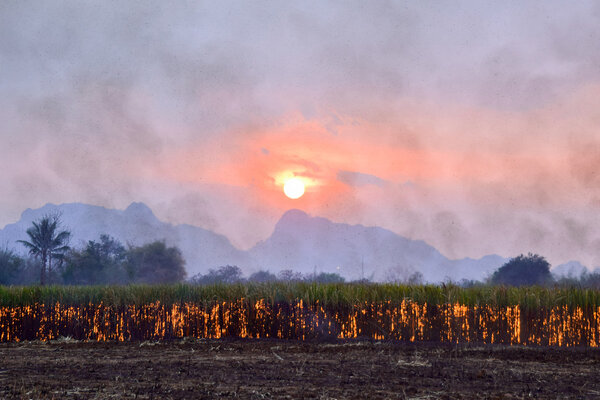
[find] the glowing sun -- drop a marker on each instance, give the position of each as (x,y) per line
(293,188)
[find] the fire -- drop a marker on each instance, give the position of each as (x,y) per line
(407,321)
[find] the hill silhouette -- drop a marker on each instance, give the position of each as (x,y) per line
(299,242)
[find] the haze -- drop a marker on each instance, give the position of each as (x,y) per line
(472,125)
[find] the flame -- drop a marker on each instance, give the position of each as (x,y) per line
(407,321)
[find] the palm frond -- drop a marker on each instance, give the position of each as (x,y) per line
(61,239)
(33,249)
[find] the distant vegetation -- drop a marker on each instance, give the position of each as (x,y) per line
(230,274)
(523,270)
(534,270)
(107,261)
(47,242)
(103,262)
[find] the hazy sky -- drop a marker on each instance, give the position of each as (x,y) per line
(473,125)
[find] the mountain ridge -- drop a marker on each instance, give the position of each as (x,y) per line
(299,241)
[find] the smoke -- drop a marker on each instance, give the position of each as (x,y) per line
(352,178)
(488,110)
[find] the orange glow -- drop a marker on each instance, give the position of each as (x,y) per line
(263,159)
(408,321)
(467,163)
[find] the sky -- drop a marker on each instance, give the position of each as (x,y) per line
(471,125)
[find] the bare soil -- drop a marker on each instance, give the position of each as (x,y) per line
(266,369)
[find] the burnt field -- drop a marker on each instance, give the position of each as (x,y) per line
(263,369)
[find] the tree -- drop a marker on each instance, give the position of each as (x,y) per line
(406,275)
(102,262)
(262,276)
(325,277)
(288,275)
(156,263)
(532,269)
(47,241)
(10,266)
(227,274)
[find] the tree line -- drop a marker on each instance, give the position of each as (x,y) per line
(233,274)
(534,270)
(105,261)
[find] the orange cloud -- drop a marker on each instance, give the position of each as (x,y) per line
(487,172)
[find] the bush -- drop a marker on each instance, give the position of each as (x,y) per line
(529,270)
(262,276)
(156,263)
(288,275)
(227,274)
(99,263)
(325,277)
(10,267)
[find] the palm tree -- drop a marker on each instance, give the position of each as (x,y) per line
(45,242)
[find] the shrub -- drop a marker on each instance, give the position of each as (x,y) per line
(529,270)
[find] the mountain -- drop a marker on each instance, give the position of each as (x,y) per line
(306,244)
(571,269)
(300,242)
(137,224)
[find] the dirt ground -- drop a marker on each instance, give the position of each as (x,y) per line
(265,369)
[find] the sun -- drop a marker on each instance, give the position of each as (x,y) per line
(293,188)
